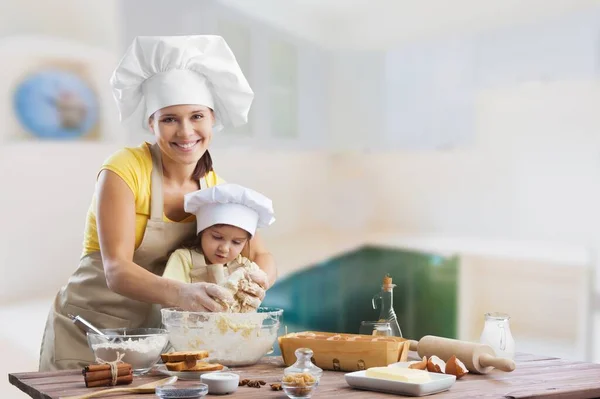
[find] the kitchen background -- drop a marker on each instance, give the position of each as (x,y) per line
(454,145)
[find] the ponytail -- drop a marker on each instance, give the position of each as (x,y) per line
(204,165)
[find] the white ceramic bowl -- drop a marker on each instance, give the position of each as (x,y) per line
(231,339)
(221,383)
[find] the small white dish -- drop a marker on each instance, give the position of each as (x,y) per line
(438,383)
(221,383)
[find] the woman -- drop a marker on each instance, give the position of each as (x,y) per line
(184,88)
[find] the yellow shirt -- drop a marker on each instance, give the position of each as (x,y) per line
(179,266)
(134,166)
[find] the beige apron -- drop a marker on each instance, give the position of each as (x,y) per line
(199,272)
(64,345)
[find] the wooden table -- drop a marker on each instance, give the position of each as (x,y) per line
(534,377)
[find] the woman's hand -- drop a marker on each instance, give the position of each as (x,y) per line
(258,283)
(254,286)
(204,297)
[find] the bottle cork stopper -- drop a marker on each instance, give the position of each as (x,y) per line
(387,280)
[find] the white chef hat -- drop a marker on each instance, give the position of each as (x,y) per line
(230,204)
(160,71)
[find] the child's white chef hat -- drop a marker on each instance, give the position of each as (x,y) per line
(230,204)
(160,71)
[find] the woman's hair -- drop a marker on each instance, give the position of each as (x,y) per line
(204,165)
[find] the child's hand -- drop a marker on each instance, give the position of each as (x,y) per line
(200,297)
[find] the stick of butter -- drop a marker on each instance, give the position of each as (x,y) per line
(398,374)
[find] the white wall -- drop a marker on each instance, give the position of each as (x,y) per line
(91,22)
(533,172)
(382,24)
(46,187)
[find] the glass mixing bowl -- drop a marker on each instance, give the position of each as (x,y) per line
(231,339)
(140,347)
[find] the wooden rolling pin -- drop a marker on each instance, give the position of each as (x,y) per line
(478,358)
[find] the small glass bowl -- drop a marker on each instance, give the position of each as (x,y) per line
(299,391)
(187,392)
(140,347)
(295,391)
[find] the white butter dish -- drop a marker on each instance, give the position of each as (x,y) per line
(438,383)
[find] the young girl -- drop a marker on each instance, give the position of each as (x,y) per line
(227,216)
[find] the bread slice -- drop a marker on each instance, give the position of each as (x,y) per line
(203,366)
(198,366)
(176,366)
(189,356)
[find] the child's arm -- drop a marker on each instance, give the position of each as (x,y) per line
(179,266)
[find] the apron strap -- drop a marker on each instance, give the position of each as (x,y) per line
(191,258)
(156,191)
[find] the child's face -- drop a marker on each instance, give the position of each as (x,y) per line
(223,243)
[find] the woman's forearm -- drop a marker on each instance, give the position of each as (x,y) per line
(266,262)
(135,282)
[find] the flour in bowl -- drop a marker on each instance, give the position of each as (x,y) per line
(231,340)
(141,353)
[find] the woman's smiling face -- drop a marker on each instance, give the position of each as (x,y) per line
(183,132)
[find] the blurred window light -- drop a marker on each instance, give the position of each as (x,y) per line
(239,39)
(283,92)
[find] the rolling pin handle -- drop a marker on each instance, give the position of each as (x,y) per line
(414,345)
(503,364)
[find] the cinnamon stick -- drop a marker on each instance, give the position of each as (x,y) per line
(124,380)
(102,375)
(100,367)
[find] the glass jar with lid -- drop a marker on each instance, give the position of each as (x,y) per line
(301,378)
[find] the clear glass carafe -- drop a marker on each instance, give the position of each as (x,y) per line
(496,333)
(385,298)
(377,328)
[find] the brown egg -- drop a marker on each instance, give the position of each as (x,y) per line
(456,367)
(422,365)
(436,365)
